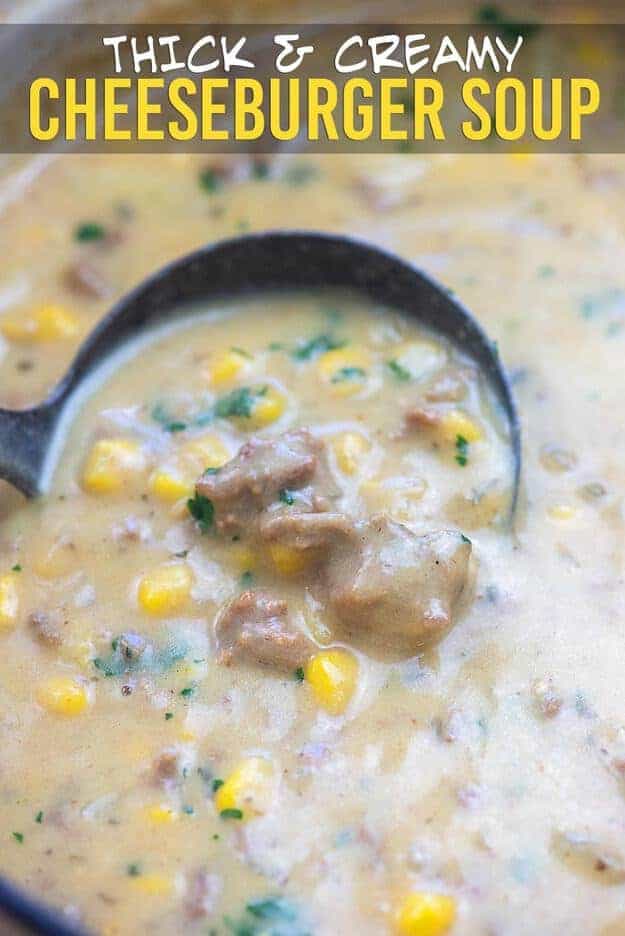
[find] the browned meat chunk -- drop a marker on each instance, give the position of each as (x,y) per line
(86,281)
(166,767)
(131,645)
(256,628)
(395,589)
(449,385)
(254,478)
(307,530)
(421,417)
(46,627)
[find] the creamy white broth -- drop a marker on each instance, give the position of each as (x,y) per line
(488,769)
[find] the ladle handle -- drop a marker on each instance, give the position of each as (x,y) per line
(24,443)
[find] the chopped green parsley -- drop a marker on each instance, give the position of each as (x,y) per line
(202,511)
(462,450)
(210,180)
(349,373)
(398,370)
(231,813)
(315,346)
(89,231)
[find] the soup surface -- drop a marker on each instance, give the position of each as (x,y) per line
(273,661)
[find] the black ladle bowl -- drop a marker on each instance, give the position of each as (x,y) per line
(251,264)
(246,265)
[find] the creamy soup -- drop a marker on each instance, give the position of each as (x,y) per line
(274,660)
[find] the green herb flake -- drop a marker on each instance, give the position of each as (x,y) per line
(202,511)
(169,716)
(89,231)
(462,450)
(188,810)
(300,174)
(398,370)
(152,659)
(242,352)
(349,373)
(39,817)
(316,346)
(276,346)
(465,539)
(217,782)
(299,674)
(210,180)
(16,568)
(18,836)
(546,271)
(133,870)
(187,692)
(287,497)
(231,813)
(247,579)
(166,421)
(268,916)
(239,402)
(272,908)
(261,170)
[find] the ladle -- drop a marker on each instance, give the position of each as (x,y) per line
(251,264)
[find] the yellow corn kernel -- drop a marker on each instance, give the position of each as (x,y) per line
(248,788)
(47,323)
(243,558)
(455,423)
(227,367)
(288,561)
(9,601)
(425,914)
(187,735)
(419,357)
(332,675)
(562,512)
(56,559)
(165,589)
(79,653)
(268,407)
(349,449)
(110,464)
(63,695)
(341,368)
(169,486)
(160,814)
(153,885)
(206,451)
